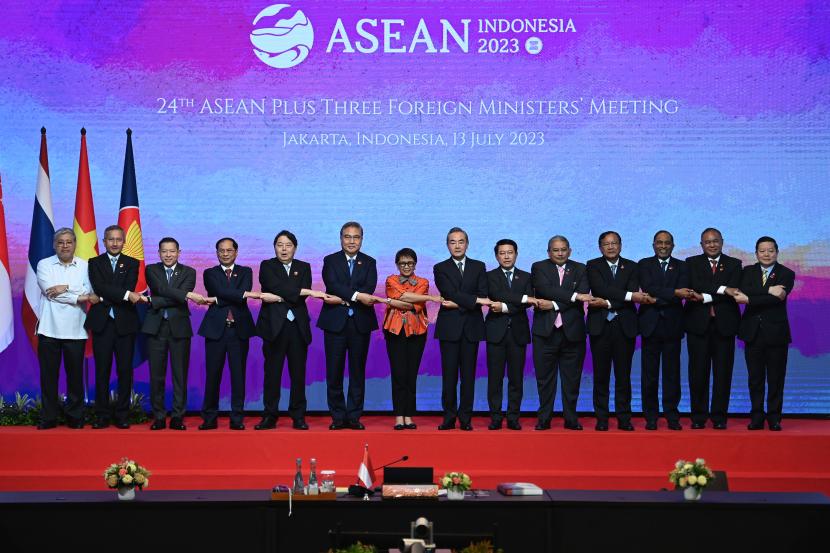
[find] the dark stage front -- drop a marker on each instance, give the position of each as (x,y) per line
(560,520)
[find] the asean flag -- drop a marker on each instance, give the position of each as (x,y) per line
(129,219)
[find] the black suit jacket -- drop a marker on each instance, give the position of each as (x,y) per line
(701,280)
(111,287)
(172,297)
(614,289)
(766,316)
(546,285)
(497,324)
(466,320)
(668,311)
(364,278)
(274,279)
(229,297)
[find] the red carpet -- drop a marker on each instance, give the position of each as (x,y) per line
(797,459)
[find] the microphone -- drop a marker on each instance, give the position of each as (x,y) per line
(360,491)
(404,458)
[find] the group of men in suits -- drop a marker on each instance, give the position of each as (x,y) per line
(697,297)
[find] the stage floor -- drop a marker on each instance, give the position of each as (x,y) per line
(797,459)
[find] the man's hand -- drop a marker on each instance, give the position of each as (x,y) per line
(543,304)
(496,306)
(642,297)
(211,300)
(778,291)
(449,304)
(436,299)
(268,297)
(695,296)
(740,297)
(598,302)
(252,295)
(684,293)
(368,299)
(54,291)
(135,298)
(317,294)
(584,297)
(332,300)
(197,298)
(93,299)
(732,292)
(484,301)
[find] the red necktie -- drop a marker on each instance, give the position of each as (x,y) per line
(230,313)
(714,270)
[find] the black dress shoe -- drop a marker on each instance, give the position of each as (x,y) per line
(446,425)
(237,426)
(601,426)
(356,425)
(775,426)
(698,426)
(99,424)
(651,425)
(755,426)
(399,427)
(626,426)
(204,426)
(267,423)
(719,426)
(493,425)
(466,426)
(542,425)
(299,424)
(675,426)
(337,425)
(573,426)
(177,424)
(46,425)
(123,425)
(75,424)
(158,424)
(513,425)
(410,426)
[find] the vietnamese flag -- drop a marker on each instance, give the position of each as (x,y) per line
(84,225)
(129,219)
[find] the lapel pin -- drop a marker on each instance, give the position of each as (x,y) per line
(233,275)
(121,265)
(360,263)
(296,273)
(720,268)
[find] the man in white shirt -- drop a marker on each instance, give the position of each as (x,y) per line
(64,284)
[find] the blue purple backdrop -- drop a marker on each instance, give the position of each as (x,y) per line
(583,117)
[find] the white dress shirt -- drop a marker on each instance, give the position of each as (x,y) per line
(62,317)
(707,298)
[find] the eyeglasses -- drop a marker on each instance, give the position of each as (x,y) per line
(406,264)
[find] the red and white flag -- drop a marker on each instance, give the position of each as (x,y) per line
(366,473)
(6,312)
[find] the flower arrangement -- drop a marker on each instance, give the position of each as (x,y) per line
(457,481)
(686,474)
(126,474)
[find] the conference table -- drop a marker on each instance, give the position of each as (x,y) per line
(558,520)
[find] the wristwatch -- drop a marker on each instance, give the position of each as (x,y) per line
(388,301)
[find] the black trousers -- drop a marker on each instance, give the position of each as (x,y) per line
(656,348)
(612,347)
(354,344)
(105,344)
(49,354)
(510,355)
(710,353)
(766,363)
(235,349)
(556,355)
(405,354)
(159,348)
(458,358)
(287,344)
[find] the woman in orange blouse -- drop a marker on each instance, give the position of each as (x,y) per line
(405,330)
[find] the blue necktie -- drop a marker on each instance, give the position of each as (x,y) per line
(169,271)
(290,314)
(351,268)
(113,261)
(509,275)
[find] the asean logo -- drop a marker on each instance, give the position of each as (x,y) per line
(280,42)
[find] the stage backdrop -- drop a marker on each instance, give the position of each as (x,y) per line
(519,120)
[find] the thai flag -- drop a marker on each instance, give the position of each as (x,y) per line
(6,312)
(40,243)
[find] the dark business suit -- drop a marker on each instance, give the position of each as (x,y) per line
(612,333)
(227,326)
(507,337)
(168,325)
(282,338)
(765,330)
(113,333)
(459,331)
(559,350)
(711,339)
(661,327)
(347,330)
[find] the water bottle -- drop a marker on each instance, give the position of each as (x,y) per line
(313,488)
(298,478)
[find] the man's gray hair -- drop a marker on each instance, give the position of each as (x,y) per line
(61,231)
